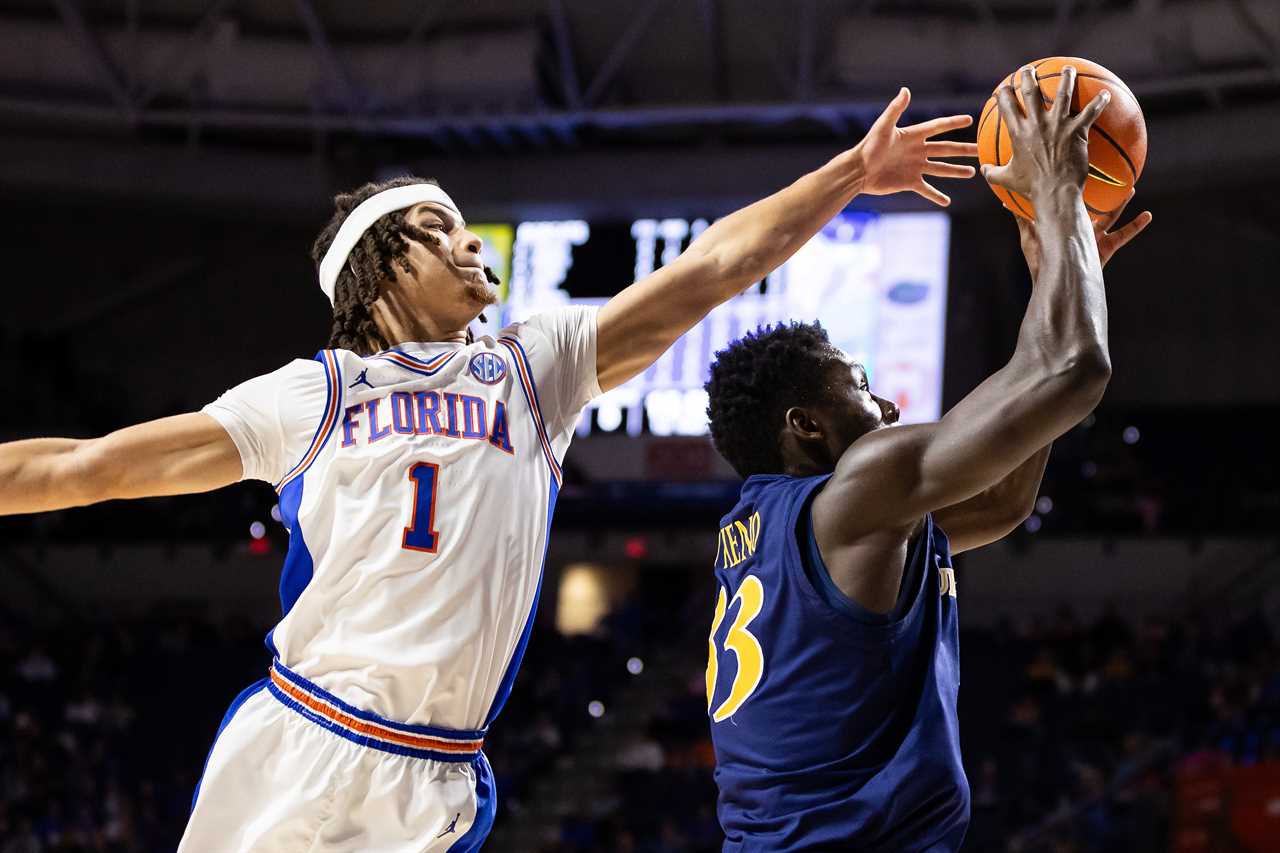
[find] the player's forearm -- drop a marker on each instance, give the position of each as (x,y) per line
(996,511)
(1065,327)
(1015,495)
(35,475)
(638,324)
(747,245)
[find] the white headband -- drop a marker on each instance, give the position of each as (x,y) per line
(362,218)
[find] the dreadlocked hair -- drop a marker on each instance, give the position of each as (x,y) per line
(754,381)
(374,259)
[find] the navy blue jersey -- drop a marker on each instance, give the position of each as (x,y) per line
(834,728)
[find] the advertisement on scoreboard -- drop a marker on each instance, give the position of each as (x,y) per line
(877,283)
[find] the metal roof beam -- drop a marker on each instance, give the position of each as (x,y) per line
(570,88)
(638,26)
(110,76)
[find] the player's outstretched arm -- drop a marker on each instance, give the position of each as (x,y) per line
(1059,368)
(996,511)
(170,456)
(641,322)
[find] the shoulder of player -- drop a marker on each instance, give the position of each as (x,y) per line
(883,452)
(875,468)
(301,373)
(544,323)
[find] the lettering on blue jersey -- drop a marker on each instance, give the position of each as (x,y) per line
(738,541)
(451,415)
(745,646)
(428,412)
(350,425)
(947,581)
(376,433)
(402,413)
(489,368)
(501,435)
(420,413)
(473,417)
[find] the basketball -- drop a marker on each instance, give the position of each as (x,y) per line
(1117,140)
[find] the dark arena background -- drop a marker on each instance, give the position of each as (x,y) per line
(166,164)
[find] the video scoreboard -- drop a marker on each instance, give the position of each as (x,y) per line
(877,282)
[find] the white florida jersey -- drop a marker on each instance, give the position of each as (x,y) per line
(417,485)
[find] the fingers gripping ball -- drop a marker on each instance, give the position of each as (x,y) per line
(1117,140)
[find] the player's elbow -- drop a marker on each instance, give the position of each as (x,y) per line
(1083,375)
(724,268)
(92,472)
(1016,513)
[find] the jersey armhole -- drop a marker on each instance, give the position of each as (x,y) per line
(815,569)
(328,419)
(818,586)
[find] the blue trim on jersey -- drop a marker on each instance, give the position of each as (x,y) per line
(243,697)
(423,368)
(298,564)
(328,420)
(509,677)
(368,717)
(363,740)
(531,396)
(486,809)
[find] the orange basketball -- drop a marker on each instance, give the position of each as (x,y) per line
(1117,140)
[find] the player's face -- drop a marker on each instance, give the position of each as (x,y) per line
(449,280)
(854,409)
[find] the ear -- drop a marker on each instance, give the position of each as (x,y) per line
(800,423)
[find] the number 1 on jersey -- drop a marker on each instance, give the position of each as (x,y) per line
(421,534)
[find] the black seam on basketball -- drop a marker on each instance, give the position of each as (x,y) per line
(1113,80)
(1124,154)
(1013,198)
(1009,193)
(999,118)
(995,107)
(1115,145)
(1099,212)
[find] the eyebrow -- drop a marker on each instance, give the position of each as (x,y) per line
(454,220)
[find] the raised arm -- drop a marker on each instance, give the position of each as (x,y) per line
(996,511)
(1059,368)
(170,456)
(641,322)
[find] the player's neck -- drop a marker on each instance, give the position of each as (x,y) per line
(805,468)
(399,326)
(807,459)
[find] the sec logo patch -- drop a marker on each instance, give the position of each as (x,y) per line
(488,368)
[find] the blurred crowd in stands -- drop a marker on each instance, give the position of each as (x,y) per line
(1078,735)
(1073,734)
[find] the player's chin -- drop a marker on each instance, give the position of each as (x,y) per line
(480,293)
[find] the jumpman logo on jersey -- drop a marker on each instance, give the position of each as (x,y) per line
(362,379)
(452,827)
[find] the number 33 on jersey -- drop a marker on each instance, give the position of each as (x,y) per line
(742,643)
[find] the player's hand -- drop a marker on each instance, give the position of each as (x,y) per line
(897,159)
(1109,241)
(1050,147)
